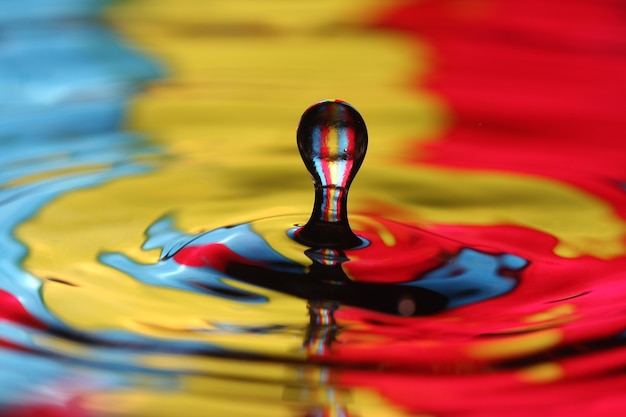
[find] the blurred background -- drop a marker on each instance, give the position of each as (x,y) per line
(497,123)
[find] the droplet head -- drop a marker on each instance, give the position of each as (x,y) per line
(332,140)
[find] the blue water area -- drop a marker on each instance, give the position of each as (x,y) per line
(65,81)
(169,273)
(33,11)
(67,78)
(64,86)
(472,276)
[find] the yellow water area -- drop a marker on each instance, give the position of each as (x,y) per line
(516,345)
(270,389)
(240,73)
(202,397)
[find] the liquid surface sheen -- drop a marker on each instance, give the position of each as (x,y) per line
(152,193)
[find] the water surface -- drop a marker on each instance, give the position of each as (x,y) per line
(151,175)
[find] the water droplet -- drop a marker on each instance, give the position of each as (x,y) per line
(332,139)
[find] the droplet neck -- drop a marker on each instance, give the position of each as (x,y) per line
(332,140)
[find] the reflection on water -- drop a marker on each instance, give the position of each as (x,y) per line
(154,274)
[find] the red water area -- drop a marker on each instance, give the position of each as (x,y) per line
(548,297)
(496,394)
(12,310)
(71,409)
(412,252)
(533,87)
(214,255)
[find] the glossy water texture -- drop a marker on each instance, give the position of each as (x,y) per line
(152,187)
